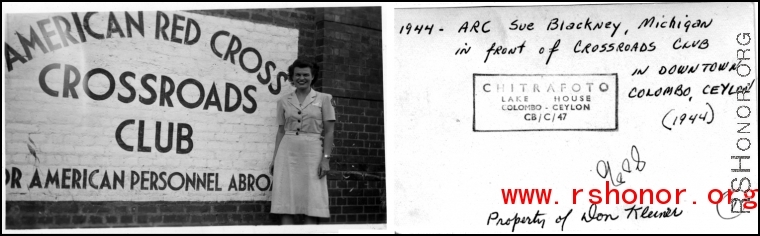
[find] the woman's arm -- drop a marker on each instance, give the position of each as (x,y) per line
(328,116)
(327,145)
(329,135)
(280,134)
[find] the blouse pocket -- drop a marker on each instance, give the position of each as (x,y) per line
(314,112)
(315,116)
(319,124)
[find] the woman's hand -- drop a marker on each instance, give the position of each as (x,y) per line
(324,168)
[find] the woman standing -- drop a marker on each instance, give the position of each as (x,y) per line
(301,158)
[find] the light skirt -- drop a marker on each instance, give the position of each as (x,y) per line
(297,188)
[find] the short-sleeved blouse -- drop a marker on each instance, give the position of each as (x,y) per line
(306,117)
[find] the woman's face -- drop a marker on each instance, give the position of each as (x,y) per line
(302,77)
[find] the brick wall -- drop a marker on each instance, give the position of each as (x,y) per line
(349,40)
(346,42)
(67,214)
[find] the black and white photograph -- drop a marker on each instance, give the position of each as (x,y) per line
(199,117)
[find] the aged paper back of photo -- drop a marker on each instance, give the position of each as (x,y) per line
(532,118)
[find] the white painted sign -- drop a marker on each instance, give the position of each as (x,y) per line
(142,106)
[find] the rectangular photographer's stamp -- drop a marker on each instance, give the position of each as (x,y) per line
(543,102)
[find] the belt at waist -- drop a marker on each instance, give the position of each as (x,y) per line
(301,133)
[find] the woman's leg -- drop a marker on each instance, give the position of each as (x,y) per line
(287,220)
(312,220)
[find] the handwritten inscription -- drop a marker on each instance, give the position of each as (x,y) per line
(645,213)
(674,23)
(590,216)
(517,219)
(419,29)
(588,24)
(707,116)
(604,170)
